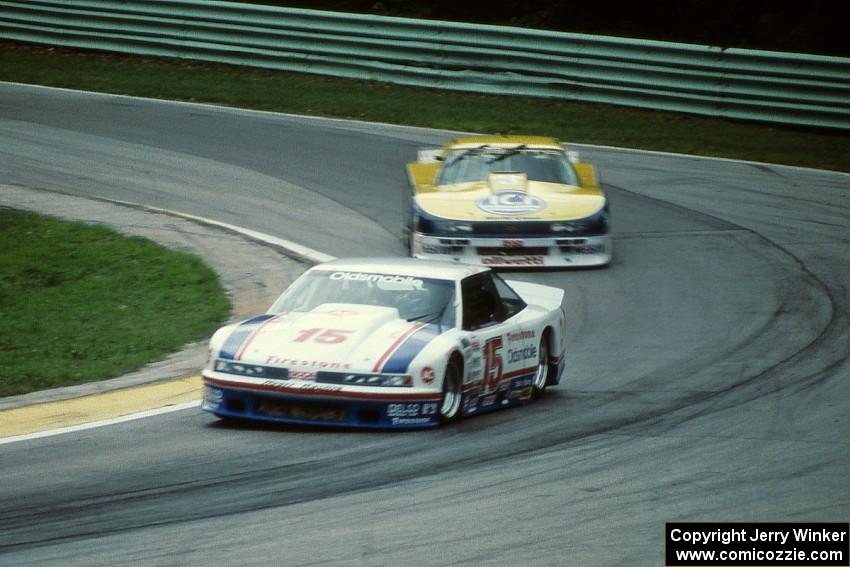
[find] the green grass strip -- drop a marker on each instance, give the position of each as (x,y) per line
(80,303)
(384,102)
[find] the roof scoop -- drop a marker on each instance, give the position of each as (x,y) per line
(508,181)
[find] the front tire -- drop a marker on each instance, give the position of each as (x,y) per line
(541,374)
(452,399)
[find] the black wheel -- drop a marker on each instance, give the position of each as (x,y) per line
(452,399)
(541,375)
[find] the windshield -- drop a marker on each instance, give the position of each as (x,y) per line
(475,164)
(417,299)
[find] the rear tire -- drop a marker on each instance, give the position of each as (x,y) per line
(452,399)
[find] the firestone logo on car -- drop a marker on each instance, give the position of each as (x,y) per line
(510,203)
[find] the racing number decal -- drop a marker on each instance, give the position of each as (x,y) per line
(493,368)
(327,336)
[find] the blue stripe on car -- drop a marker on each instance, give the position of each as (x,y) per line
(404,355)
(239,334)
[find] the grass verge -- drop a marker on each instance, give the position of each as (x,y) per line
(80,303)
(384,102)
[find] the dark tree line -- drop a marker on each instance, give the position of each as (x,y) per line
(814,26)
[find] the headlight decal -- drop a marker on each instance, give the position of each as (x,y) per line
(589,226)
(365,379)
(251,370)
(425,223)
(593,225)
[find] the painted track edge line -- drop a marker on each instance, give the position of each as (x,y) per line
(297,249)
(294,248)
(101,423)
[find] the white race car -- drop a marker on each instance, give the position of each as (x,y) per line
(388,343)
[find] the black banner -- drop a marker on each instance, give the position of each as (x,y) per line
(803,544)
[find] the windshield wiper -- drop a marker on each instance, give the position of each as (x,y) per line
(511,152)
(434,315)
(469,151)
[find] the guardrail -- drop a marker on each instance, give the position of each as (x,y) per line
(785,88)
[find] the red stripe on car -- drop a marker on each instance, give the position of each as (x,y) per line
(253,335)
(307,392)
(393,347)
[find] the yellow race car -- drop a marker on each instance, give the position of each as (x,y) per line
(507,201)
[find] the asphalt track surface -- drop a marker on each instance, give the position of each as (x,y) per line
(708,366)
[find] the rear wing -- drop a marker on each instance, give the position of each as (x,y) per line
(429,155)
(422,174)
(424,171)
(538,294)
(588,176)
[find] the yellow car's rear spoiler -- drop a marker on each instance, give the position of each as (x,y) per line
(422,174)
(587,176)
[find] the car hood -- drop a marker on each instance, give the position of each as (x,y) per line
(482,200)
(334,336)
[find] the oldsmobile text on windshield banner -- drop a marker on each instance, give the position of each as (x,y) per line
(762,544)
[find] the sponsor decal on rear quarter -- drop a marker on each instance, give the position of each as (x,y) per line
(428,375)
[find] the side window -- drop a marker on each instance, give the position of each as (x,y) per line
(511,301)
(481,303)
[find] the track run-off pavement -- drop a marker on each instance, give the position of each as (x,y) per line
(707,380)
